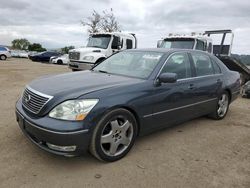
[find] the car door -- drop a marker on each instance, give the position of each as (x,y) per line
(173,101)
(208,82)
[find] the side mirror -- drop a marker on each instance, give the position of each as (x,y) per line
(167,78)
(159,43)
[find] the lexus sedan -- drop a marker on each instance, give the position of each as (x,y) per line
(131,93)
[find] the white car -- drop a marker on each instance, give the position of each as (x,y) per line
(63,59)
(4,53)
(19,53)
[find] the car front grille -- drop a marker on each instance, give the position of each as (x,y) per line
(74,55)
(33,100)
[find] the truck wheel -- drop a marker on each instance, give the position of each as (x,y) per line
(114,135)
(3,57)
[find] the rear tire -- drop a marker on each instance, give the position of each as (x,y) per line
(222,106)
(114,135)
(60,62)
(3,57)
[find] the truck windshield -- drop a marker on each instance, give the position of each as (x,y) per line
(99,41)
(138,64)
(178,43)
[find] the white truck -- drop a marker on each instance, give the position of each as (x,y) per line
(221,49)
(99,47)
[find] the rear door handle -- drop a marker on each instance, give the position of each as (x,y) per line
(218,80)
(191,86)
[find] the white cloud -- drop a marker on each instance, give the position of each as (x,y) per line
(57,23)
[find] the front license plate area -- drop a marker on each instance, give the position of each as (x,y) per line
(20,120)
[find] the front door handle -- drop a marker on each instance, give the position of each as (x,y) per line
(191,86)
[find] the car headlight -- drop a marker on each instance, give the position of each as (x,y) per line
(73,110)
(88,58)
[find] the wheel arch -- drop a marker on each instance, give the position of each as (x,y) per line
(230,94)
(131,110)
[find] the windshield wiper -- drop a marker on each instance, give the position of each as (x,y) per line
(102,71)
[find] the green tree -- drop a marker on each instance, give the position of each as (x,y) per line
(93,22)
(20,44)
(66,49)
(36,47)
(105,22)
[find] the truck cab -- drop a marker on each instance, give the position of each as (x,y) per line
(99,47)
(193,41)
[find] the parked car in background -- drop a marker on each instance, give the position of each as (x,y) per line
(19,53)
(4,53)
(131,93)
(43,56)
(61,60)
(246,90)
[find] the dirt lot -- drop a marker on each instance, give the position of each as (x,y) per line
(199,153)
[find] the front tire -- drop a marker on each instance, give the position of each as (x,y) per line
(3,57)
(221,107)
(114,135)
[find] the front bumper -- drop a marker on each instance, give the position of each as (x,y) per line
(44,137)
(77,65)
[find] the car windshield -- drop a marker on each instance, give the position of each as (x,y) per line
(179,44)
(99,41)
(137,64)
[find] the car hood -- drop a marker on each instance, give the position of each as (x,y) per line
(74,85)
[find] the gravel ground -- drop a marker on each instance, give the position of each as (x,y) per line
(199,153)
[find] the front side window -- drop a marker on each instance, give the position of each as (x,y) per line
(138,64)
(202,64)
(179,64)
(199,45)
(99,41)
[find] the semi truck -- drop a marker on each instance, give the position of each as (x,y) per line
(204,41)
(99,47)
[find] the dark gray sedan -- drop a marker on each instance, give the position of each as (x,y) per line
(132,93)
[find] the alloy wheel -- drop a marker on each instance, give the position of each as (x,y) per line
(116,136)
(223,105)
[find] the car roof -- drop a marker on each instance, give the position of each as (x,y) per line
(167,50)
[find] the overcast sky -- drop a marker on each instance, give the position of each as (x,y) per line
(56,24)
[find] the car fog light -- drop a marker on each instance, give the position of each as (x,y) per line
(61,148)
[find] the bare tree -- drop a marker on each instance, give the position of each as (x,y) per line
(109,22)
(93,22)
(102,23)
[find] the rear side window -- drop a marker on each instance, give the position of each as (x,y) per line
(129,44)
(203,64)
(216,67)
(179,64)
